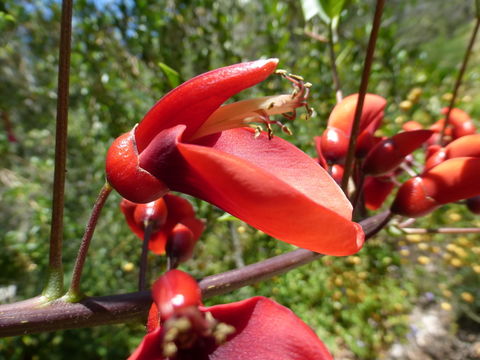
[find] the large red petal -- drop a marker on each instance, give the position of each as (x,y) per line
(195,100)
(270,184)
(266,330)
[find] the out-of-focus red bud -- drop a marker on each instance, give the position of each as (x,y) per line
(173,291)
(336,137)
(334,144)
(366,141)
(337,173)
(461,122)
(180,244)
(452,180)
(412,125)
(376,190)
(465,146)
(390,153)
(473,204)
(154,212)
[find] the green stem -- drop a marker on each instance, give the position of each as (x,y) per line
(459,80)
(74,294)
(54,287)
(361,94)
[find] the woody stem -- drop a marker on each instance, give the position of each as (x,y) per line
(361,94)
(458,82)
(54,287)
(74,291)
(142,275)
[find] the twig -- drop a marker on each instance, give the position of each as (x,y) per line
(74,291)
(142,275)
(361,94)
(116,309)
(459,80)
(54,286)
(333,64)
(445,230)
(316,36)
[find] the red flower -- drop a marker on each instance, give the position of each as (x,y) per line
(189,143)
(252,329)
(172,215)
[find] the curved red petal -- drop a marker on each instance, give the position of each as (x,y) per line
(266,330)
(195,100)
(149,348)
(263,182)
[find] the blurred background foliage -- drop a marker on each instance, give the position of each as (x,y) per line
(125,55)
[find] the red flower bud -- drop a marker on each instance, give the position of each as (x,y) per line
(173,291)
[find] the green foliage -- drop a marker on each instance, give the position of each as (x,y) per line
(125,56)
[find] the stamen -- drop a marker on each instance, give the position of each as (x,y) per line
(243,113)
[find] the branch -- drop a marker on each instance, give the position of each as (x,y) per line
(116,309)
(361,93)
(445,230)
(459,79)
(54,286)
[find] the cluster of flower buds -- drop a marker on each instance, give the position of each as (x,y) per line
(174,229)
(449,173)
(180,328)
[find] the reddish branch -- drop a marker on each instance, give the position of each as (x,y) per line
(55,282)
(361,93)
(459,79)
(16,319)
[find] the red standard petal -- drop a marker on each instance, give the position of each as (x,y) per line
(266,330)
(266,183)
(195,100)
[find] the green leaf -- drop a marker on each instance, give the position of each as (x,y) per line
(328,10)
(332,8)
(173,76)
(310,8)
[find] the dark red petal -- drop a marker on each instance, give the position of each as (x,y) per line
(180,244)
(263,182)
(195,100)
(266,330)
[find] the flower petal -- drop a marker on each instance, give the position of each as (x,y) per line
(195,100)
(266,330)
(266,183)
